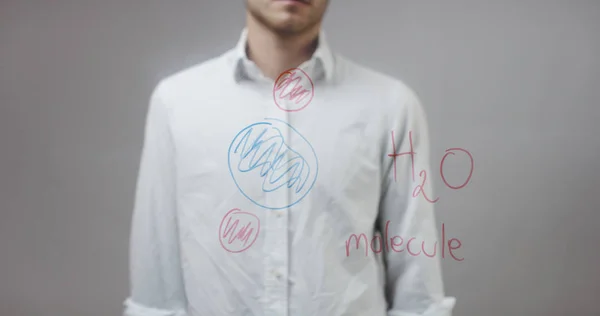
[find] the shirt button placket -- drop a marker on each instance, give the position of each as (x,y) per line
(276,234)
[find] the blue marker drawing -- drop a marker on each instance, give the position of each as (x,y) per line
(259,156)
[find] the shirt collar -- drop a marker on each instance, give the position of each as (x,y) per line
(322,57)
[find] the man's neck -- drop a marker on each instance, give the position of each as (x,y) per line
(273,53)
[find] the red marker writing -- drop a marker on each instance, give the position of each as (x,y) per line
(419,188)
(449,152)
(293,90)
(411,153)
(238,230)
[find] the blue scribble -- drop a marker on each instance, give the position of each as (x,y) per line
(261,148)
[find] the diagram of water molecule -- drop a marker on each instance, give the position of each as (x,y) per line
(259,156)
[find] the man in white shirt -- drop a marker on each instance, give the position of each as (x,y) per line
(269,172)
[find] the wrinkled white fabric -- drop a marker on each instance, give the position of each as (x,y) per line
(132,308)
(203,157)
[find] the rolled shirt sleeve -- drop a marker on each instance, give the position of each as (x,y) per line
(414,285)
(155,264)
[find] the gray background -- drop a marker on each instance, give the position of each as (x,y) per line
(516,82)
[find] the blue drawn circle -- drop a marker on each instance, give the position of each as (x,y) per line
(239,138)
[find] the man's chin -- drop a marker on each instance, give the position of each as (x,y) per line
(288,27)
(283,23)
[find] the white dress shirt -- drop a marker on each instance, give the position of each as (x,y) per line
(245,207)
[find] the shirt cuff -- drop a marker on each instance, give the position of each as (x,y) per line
(443,308)
(134,309)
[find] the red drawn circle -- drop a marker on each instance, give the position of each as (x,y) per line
(297,93)
(241,234)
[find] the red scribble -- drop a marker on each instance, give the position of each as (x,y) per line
(420,188)
(242,239)
(296,93)
(449,152)
(411,153)
(396,247)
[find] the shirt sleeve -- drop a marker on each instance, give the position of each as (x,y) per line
(155,270)
(414,285)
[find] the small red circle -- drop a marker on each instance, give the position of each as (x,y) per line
(294,88)
(246,234)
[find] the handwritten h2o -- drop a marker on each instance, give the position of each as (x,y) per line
(234,240)
(419,188)
(289,92)
(259,155)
